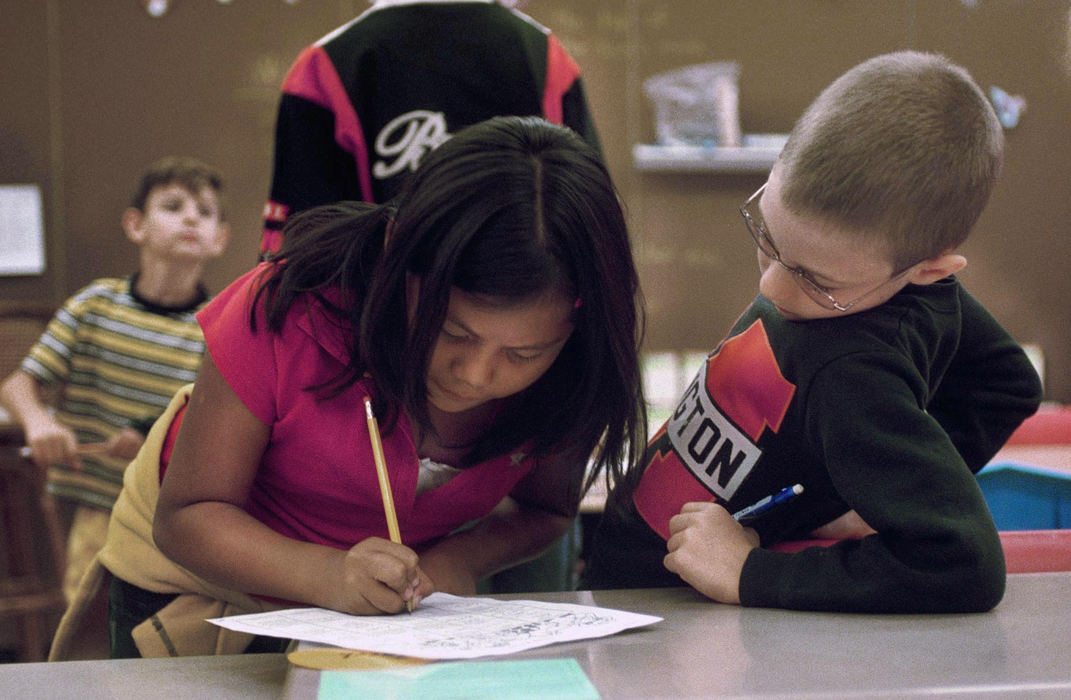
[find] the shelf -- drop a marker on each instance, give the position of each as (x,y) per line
(756,158)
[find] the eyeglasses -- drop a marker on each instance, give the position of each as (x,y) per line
(816,292)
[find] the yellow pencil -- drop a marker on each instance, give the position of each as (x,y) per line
(384,481)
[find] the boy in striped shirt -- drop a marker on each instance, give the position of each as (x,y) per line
(116,352)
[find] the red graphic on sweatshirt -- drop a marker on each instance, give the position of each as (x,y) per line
(709,446)
(744,380)
(664,489)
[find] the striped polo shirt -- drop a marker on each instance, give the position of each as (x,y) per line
(116,360)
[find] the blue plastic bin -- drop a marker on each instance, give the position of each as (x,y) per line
(1023,497)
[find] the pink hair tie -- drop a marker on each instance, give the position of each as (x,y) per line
(576,304)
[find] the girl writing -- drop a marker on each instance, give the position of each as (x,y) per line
(491,313)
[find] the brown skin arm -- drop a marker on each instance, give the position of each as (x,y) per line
(537,512)
(200,522)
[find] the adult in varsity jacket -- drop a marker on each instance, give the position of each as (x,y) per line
(364,104)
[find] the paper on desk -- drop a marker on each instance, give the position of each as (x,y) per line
(444,626)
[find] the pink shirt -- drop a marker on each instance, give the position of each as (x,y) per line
(317,478)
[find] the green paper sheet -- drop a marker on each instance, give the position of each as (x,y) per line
(471,680)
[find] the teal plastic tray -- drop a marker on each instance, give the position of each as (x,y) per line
(1023,497)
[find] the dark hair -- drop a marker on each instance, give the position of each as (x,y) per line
(188,172)
(511,209)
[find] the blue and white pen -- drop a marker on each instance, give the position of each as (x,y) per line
(755,510)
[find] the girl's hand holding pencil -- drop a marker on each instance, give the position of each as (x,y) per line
(380,577)
(410,580)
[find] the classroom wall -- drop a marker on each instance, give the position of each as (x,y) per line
(92,92)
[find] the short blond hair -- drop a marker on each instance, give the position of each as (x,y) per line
(904,146)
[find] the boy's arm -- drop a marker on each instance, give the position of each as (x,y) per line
(708,549)
(937,549)
(989,389)
(50,441)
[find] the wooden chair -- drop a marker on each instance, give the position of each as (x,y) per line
(31,557)
(32,541)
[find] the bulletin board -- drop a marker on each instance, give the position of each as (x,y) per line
(22,230)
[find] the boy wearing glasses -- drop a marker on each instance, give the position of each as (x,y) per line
(863,371)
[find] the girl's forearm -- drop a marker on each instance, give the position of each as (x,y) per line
(511,534)
(227,547)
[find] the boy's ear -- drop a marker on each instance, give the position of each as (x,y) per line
(131,221)
(223,237)
(937,268)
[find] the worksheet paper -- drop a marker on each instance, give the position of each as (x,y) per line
(444,626)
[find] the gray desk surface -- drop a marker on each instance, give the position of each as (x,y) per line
(223,677)
(701,649)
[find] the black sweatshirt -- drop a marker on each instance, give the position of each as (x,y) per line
(888,411)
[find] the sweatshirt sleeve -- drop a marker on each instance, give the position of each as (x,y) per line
(937,549)
(989,389)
